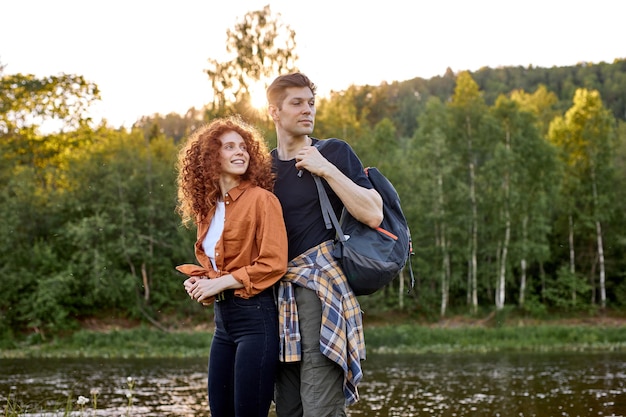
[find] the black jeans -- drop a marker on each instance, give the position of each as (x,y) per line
(243,357)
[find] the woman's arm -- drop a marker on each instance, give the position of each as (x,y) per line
(201,289)
(270,236)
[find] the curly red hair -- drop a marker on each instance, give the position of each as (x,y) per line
(198,166)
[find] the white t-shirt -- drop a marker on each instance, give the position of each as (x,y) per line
(215,232)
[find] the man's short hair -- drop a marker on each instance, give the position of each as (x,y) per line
(276,92)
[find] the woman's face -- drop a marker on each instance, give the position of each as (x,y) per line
(234,157)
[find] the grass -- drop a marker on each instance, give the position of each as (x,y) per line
(146,342)
(140,342)
(538,338)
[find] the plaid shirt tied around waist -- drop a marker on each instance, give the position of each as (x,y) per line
(341,333)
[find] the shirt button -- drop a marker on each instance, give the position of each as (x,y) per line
(227,202)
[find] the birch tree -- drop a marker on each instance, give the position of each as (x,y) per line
(585,136)
(439,190)
(518,179)
(540,183)
(467,108)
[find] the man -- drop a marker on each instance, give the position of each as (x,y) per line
(320,318)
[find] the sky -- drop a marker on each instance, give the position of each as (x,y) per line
(149,56)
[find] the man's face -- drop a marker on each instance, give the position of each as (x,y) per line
(297,114)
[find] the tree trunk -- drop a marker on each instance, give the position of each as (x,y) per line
(147,269)
(474,226)
(502,279)
(501,287)
(600,242)
(442,243)
(572,253)
(446,271)
(146,283)
(602,269)
(522,284)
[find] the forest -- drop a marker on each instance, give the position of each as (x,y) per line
(511,179)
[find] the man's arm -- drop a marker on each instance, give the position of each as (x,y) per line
(363,204)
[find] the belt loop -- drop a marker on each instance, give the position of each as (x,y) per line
(224,295)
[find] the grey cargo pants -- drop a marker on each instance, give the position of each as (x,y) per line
(312,387)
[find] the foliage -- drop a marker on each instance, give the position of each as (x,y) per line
(510,179)
(26,100)
(107,240)
(171,125)
(261,46)
(337,116)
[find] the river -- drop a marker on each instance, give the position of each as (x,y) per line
(444,385)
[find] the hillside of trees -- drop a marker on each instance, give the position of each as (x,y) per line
(511,179)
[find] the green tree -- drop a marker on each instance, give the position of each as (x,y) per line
(121,213)
(379,148)
(519,177)
(541,103)
(172,125)
(262,46)
(585,136)
(106,242)
(467,109)
(32,170)
(27,101)
(617,246)
(437,191)
(337,117)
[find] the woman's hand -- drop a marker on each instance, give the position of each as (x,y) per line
(202,288)
(189,282)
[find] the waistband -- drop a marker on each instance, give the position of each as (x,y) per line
(224,295)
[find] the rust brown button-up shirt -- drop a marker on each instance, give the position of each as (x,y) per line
(253,245)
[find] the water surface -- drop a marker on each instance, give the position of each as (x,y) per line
(446,385)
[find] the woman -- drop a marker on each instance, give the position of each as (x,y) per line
(224,187)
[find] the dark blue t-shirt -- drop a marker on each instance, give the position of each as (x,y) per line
(299,199)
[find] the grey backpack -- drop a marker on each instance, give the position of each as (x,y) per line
(370,257)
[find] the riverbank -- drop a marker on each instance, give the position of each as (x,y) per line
(392,336)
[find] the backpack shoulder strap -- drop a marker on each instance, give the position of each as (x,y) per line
(330,219)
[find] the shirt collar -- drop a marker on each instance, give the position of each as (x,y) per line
(235,192)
